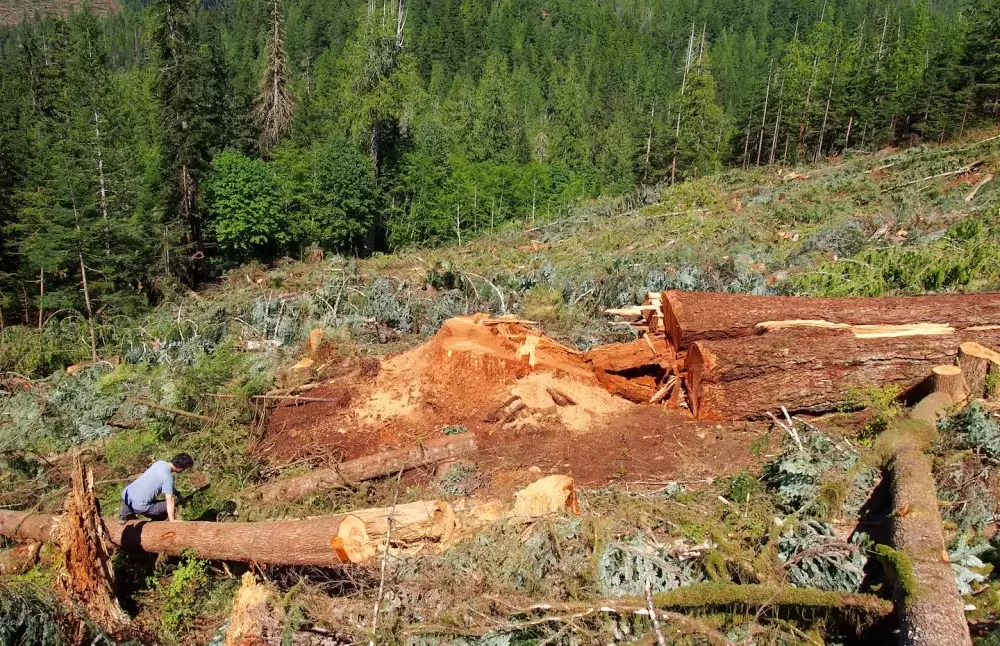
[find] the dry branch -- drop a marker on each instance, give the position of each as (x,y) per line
(368,467)
(174,411)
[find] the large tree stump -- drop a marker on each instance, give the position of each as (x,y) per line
(981,368)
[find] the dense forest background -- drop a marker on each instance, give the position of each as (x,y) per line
(176,138)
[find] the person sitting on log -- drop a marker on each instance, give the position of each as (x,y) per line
(142,496)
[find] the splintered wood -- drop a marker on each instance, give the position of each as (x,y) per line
(88,579)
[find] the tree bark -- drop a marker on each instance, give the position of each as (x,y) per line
(981,369)
(324,541)
(810,371)
(368,467)
(696,316)
(933,612)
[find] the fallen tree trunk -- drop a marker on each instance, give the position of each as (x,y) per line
(696,316)
(325,541)
(368,467)
(933,612)
(721,595)
(810,371)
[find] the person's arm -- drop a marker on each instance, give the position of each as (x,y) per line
(170,507)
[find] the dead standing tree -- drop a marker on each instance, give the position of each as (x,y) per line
(275,104)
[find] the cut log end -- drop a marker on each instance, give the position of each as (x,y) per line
(552,494)
(949,380)
(980,368)
(351,544)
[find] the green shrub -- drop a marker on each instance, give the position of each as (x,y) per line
(182,594)
(125,450)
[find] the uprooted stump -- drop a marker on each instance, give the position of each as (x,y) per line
(932,610)
(88,579)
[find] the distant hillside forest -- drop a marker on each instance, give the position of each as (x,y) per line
(174,139)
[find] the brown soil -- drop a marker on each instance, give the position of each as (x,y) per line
(464,375)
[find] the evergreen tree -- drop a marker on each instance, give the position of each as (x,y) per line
(275,103)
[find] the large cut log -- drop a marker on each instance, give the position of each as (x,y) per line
(981,369)
(368,467)
(324,541)
(696,316)
(932,610)
(809,370)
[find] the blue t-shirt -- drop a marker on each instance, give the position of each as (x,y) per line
(144,491)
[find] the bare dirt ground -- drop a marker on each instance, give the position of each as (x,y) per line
(464,375)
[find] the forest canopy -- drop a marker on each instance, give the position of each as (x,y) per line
(174,139)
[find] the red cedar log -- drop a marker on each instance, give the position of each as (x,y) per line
(368,467)
(808,370)
(291,542)
(696,316)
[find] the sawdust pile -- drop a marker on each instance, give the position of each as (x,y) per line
(475,363)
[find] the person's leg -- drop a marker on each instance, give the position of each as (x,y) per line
(156,511)
(126,514)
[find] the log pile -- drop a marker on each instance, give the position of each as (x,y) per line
(739,356)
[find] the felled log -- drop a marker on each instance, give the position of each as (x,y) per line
(981,369)
(368,467)
(808,370)
(324,541)
(696,316)
(726,595)
(933,612)
(424,520)
(19,559)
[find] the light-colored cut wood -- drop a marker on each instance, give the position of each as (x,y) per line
(980,368)
(552,494)
(948,379)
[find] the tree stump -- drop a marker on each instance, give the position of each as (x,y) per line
(981,369)
(949,380)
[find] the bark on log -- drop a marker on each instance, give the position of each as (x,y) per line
(933,612)
(696,316)
(368,467)
(808,371)
(949,380)
(290,542)
(981,368)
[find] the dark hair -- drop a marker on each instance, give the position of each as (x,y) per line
(182,461)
